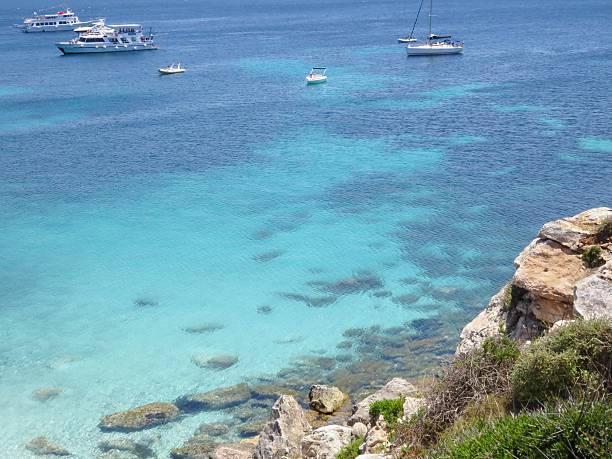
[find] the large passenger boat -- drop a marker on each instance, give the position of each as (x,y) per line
(56,22)
(109,39)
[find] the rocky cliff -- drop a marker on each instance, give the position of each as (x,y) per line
(563,274)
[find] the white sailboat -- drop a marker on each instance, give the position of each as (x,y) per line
(435,44)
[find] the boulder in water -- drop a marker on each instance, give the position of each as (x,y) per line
(141,417)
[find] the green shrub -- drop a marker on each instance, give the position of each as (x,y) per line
(573,430)
(564,361)
(391,410)
(467,381)
(604,232)
(500,350)
(592,257)
(351,451)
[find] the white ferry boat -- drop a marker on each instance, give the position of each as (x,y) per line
(57,22)
(109,39)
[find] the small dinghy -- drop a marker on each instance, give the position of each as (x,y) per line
(317,75)
(406,40)
(172,69)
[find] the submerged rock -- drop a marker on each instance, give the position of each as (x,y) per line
(116,454)
(242,450)
(326,399)
(42,446)
(325,442)
(268,256)
(282,436)
(251,429)
(217,399)
(137,449)
(264,309)
(46,394)
(145,302)
(213,430)
(218,362)
(355,284)
(395,388)
(203,329)
(139,418)
(311,301)
(197,447)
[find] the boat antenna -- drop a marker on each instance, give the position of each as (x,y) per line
(416,19)
(430,11)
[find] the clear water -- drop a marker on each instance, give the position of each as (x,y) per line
(234,186)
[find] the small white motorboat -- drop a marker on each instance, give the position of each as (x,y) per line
(406,40)
(317,75)
(172,69)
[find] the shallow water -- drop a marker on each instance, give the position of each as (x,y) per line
(136,206)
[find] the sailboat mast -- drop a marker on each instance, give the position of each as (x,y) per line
(430,11)
(416,19)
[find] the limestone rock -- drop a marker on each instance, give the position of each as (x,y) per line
(141,417)
(217,399)
(377,437)
(486,324)
(46,394)
(325,442)
(42,446)
(577,231)
(395,388)
(548,274)
(359,430)
(140,450)
(412,405)
(326,399)
(560,323)
(551,282)
(593,298)
(283,434)
(241,450)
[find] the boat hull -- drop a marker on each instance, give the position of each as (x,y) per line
(70,48)
(58,28)
(316,81)
(433,50)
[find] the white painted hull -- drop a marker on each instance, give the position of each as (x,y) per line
(433,50)
(70,48)
(57,28)
(316,80)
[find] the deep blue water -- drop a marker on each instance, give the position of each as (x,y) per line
(234,186)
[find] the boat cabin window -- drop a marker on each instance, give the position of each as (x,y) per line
(94,40)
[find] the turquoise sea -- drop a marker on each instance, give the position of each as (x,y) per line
(281,218)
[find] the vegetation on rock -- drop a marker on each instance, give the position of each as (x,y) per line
(351,451)
(592,257)
(570,430)
(391,410)
(604,231)
(549,400)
